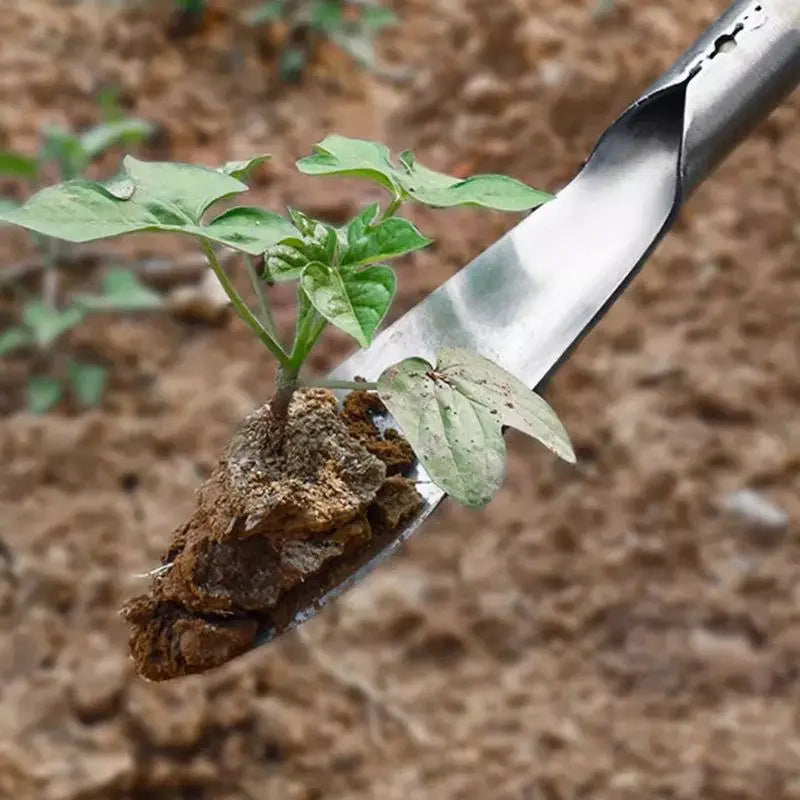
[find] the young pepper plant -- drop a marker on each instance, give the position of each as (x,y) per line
(452,412)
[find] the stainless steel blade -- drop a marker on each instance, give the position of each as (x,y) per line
(529,299)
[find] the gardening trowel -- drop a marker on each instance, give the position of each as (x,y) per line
(529,299)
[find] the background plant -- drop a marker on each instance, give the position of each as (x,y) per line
(43,318)
(353,26)
(452,412)
(42,326)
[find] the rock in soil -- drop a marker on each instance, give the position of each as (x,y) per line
(755,511)
(204,302)
(269,531)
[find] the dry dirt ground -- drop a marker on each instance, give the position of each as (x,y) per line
(599,633)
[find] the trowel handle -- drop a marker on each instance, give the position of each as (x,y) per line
(741,68)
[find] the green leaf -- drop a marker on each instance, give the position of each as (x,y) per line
(122,291)
(14,339)
(43,392)
(97,140)
(375,18)
(304,308)
(46,324)
(388,239)
(79,211)
(358,226)
(341,155)
(489,191)
(488,384)
(108,100)
(305,225)
(151,197)
(16,165)
(453,416)
(241,169)
(293,62)
(6,205)
(354,302)
(187,189)
(66,150)
(88,382)
(283,262)
(459,444)
(266,12)
(319,242)
(327,15)
(249,229)
(125,283)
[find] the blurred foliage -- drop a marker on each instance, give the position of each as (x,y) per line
(43,324)
(43,321)
(352,26)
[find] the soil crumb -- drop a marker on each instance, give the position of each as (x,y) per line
(360,410)
(284,516)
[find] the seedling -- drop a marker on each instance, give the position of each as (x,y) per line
(43,325)
(353,26)
(43,322)
(451,412)
(72,153)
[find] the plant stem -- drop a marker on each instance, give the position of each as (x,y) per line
(263,300)
(316,331)
(241,307)
(392,208)
(325,383)
(287,385)
(51,277)
(50,286)
(310,329)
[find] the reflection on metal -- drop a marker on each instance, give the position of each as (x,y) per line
(529,299)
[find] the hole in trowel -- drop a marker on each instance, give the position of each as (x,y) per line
(726,42)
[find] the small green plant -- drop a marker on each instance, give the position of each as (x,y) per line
(452,412)
(43,321)
(353,26)
(72,153)
(42,325)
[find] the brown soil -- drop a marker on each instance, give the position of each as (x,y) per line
(605,633)
(390,447)
(287,509)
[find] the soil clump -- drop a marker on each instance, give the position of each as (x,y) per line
(286,513)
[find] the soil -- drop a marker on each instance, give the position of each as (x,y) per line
(602,633)
(290,505)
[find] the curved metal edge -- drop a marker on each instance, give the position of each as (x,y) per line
(668,100)
(735,72)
